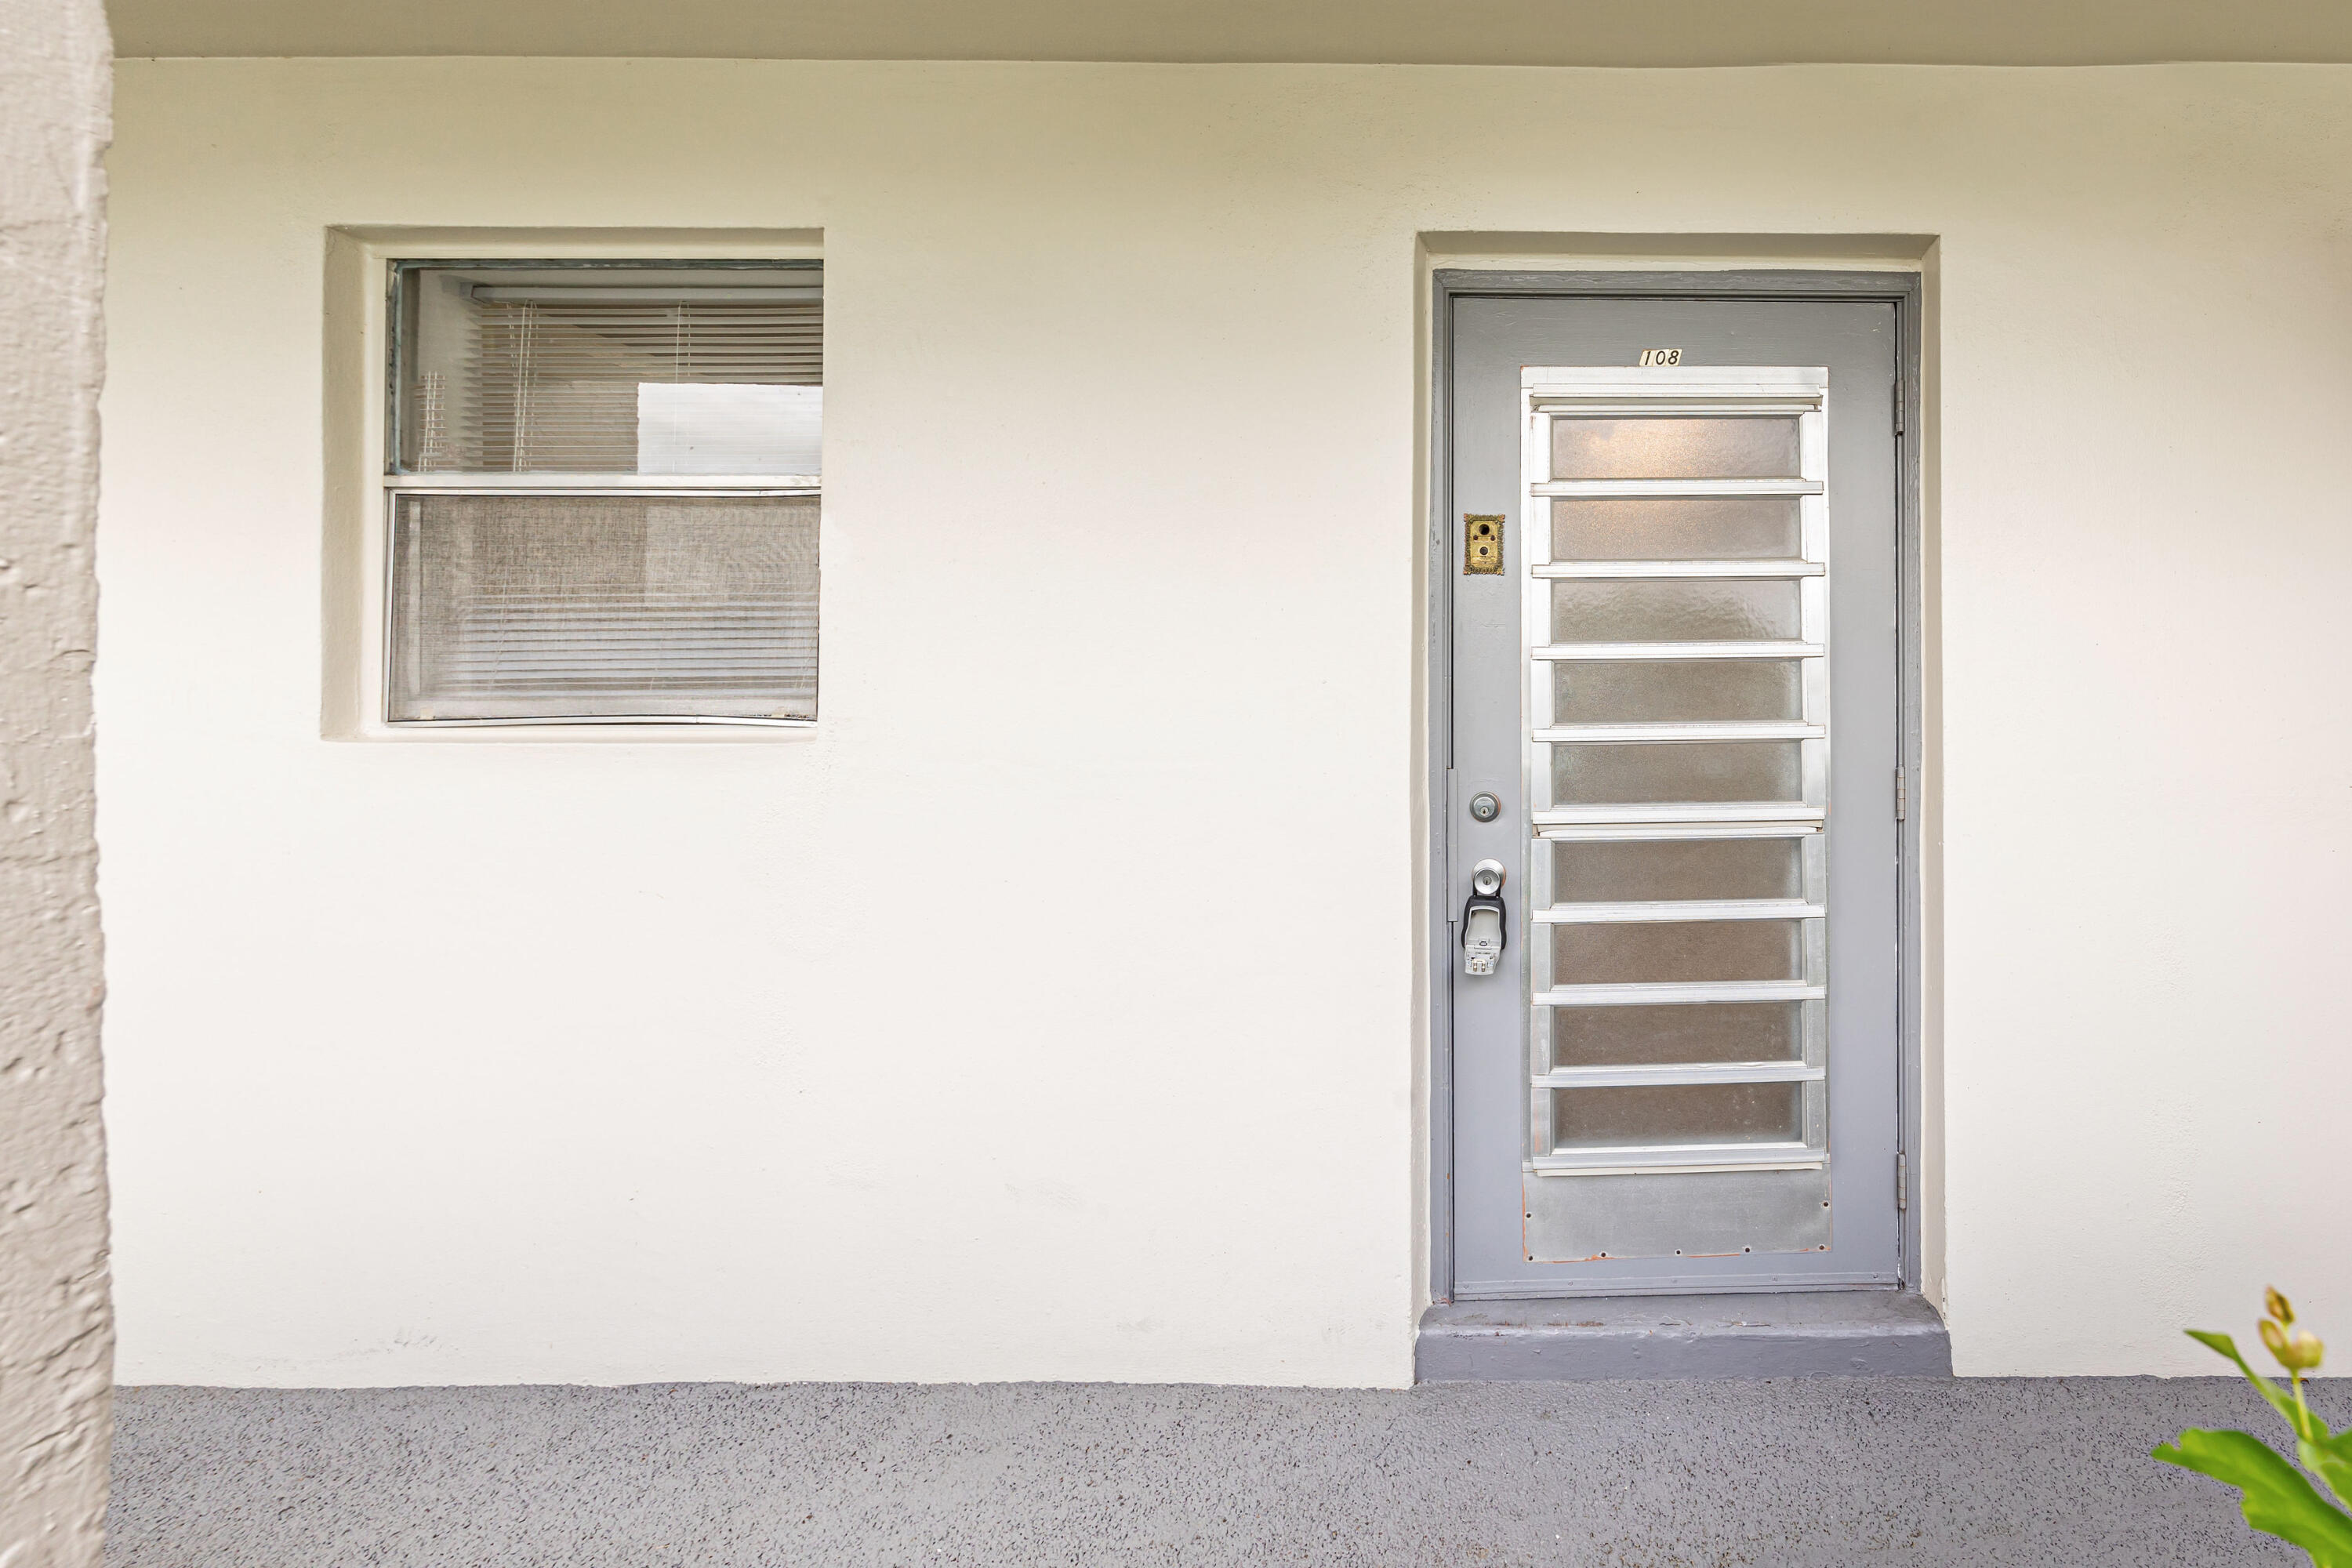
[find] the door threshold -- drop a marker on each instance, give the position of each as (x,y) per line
(1795,1333)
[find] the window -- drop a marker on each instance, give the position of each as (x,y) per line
(604,492)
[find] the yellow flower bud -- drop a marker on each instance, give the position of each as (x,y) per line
(2298,1352)
(2277,1304)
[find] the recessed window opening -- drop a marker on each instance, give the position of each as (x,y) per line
(604,492)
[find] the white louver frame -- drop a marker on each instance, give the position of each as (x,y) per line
(1567,392)
(601,500)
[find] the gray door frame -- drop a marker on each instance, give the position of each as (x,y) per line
(1901,290)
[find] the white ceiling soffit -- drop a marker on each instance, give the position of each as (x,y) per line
(1418,32)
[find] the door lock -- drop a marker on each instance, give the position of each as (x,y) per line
(1484,807)
(1482,936)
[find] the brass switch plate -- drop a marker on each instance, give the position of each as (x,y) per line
(1481,544)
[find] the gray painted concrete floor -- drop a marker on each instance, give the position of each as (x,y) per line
(1630,1475)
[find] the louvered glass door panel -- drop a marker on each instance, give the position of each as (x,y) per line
(1677,711)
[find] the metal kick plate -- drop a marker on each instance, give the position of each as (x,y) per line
(1592,1220)
(1481,544)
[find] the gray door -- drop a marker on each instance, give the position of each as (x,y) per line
(1675,690)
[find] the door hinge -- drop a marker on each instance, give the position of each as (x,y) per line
(1902,794)
(1898,390)
(1902,1181)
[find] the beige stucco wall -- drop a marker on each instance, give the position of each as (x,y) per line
(56,1333)
(946,1042)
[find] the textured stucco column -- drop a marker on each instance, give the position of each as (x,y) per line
(56,1331)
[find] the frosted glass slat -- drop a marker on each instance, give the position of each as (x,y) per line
(1600,872)
(1679,1113)
(1684,528)
(1673,448)
(1695,771)
(1676,610)
(1710,1032)
(1633,690)
(1696,950)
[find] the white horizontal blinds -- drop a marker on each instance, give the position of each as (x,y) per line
(569,375)
(549,607)
(1677,712)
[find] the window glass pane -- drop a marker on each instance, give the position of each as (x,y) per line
(1678,1113)
(1733,448)
(1598,691)
(1645,950)
(603,606)
(1610,871)
(1675,611)
(652,370)
(1705,1032)
(1689,771)
(1676,528)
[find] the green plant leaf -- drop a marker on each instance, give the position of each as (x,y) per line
(2275,1499)
(2295,1417)
(2329,1458)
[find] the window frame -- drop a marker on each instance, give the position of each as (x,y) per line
(365,269)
